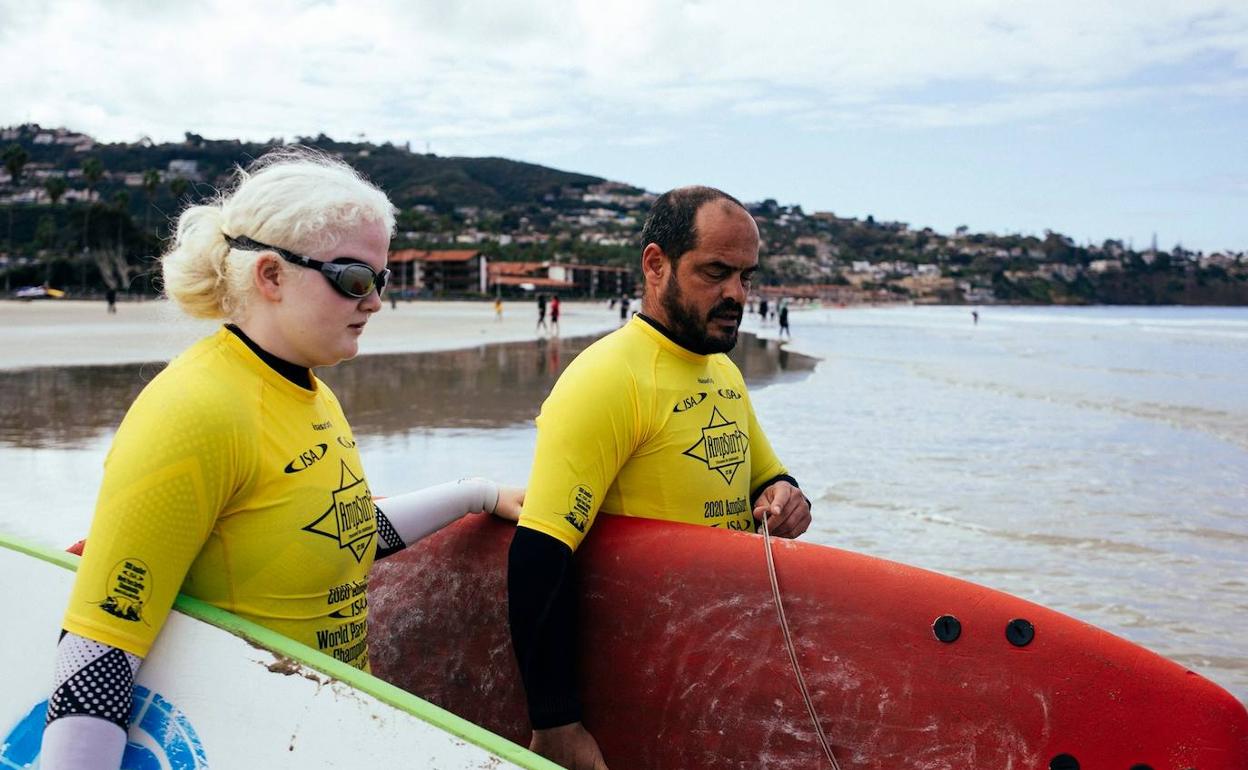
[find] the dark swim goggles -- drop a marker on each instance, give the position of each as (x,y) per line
(355,279)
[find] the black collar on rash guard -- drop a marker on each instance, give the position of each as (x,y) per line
(300,375)
(661,329)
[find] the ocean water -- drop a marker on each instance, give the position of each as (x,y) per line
(1094,460)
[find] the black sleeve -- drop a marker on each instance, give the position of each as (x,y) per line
(782,477)
(541,589)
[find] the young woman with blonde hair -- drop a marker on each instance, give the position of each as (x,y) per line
(235,476)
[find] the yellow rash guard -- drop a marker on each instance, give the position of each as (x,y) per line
(639,426)
(232,484)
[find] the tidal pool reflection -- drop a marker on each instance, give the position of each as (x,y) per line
(483,387)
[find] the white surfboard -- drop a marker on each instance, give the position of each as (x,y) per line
(221,692)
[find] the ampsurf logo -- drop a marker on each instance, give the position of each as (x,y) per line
(161,737)
(722,446)
(350,517)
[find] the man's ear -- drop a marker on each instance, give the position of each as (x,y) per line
(268,276)
(654,265)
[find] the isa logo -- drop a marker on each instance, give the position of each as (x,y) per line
(161,737)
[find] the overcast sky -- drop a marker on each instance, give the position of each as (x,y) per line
(1094,118)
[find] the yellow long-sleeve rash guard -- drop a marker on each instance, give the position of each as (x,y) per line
(232,484)
(639,426)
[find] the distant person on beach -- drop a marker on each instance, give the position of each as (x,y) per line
(784,321)
(225,476)
(762,310)
(498,309)
(623,309)
(554,315)
(652,420)
(541,313)
(975,317)
(110,296)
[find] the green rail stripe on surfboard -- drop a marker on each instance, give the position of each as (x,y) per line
(335,669)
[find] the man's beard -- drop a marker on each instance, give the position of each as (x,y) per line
(693,333)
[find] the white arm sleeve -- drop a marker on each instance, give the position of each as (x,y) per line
(421,513)
(90,706)
(82,743)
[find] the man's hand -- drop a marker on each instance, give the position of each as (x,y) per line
(510,501)
(786,509)
(569,746)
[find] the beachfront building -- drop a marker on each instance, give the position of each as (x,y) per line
(593,281)
(450,272)
(511,279)
(458,271)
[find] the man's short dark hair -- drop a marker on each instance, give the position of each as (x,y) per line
(671,223)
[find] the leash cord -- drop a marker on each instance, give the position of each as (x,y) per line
(788,646)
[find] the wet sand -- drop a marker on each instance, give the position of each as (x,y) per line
(74,333)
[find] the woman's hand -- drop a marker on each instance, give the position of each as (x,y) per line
(510,501)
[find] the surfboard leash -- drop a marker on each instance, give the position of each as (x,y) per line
(788,646)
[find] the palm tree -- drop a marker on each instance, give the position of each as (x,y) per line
(92,171)
(151,180)
(55,187)
(178,186)
(121,199)
(15,159)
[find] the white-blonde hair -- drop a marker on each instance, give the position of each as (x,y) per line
(295,198)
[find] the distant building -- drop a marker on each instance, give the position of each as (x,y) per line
(515,278)
(976,294)
(184,169)
(594,280)
(1217,260)
(1068,273)
(583,280)
(456,271)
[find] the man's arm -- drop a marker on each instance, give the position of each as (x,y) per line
(588,428)
(542,611)
(773,492)
(542,602)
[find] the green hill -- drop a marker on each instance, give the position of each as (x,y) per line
(410,178)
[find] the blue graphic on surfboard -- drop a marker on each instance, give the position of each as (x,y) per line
(161,737)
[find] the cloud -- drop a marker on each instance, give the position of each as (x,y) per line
(477,69)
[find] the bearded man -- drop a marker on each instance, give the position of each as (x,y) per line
(653,420)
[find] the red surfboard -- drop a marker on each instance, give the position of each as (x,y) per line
(683,662)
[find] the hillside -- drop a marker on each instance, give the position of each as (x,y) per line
(410,178)
(518,211)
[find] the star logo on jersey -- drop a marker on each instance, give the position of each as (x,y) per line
(350,519)
(722,446)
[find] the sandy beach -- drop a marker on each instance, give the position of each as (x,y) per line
(73,333)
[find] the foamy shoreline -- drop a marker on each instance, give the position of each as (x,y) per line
(81,332)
